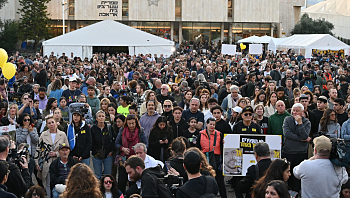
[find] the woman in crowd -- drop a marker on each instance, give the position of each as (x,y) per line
(64,108)
(235,116)
(317,90)
(81,182)
(151,96)
(311,105)
(198,92)
(191,133)
(104,105)
(102,146)
(242,102)
(26,133)
(129,135)
(220,74)
(57,115)
(160,137)
(203,106)
(49,139)
(25,71)
(270,107)
(296,95)
(345,190)
(100,78)
(50,106)
(112,112)
(118,124)
(132,86)
(271,87)
(35,192)
(251,84)
(109,187)
(277,189)
(79,136)
(11,115)
(56,90)
(278,170)
(210,135)
(261,119)
(177,149)
(260,98)
(185,103)
(329,124)
(123,108)
(205,168)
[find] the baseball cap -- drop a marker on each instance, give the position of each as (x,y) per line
(322,99)
(64,145)
(247,108)
(237,109)
(303,96)
(72,79)
(322,142)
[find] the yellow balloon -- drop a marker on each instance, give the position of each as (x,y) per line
(9,70)
(3,57)
(243,47)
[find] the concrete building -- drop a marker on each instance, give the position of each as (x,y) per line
(178,20)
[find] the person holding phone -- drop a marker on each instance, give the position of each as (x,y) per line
(159,139)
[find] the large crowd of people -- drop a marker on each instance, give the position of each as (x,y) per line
(146,119)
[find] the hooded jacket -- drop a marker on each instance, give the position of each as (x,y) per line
(102,138)
(150,188)
(83,142)
(178,128)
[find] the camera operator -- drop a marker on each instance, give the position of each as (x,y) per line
(193,188)
(135,167)
(18,180)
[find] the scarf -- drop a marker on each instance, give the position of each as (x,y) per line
(71,135)
(232,101)
(129,140)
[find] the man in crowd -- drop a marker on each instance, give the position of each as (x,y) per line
(342,116)
(197,184)
(148,119)
(296,129)
(89,82)
(321,107)
(211,103)
(177,95)
(41,77)
(276,120)
(25,87)
(115,91)
(224,91)
(319,176)
(42,98)
(281,96)
(92,100)
(289,89)
(106,89)
(263,158)
(165,94)
(194,112)
(333,94)
(221,125)
(4,173)
(72,93)
(178,123)
(60,168)
(209,75)
(150,188)
(231,100)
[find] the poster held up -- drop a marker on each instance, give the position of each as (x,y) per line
(255,48)
(228,49)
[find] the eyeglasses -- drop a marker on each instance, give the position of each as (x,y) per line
(248,114)
(26,120)
(243,101)
(35,195)
(25,98)
(167,106)
(109,182)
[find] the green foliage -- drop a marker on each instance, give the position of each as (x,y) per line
(308,25)
(34,21)
(9,35)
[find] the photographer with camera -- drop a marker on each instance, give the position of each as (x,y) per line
(150,188)
(197,184)
(18,180)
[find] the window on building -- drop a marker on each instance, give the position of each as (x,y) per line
(229,9)
(71,6)
(178,8)
(125,8)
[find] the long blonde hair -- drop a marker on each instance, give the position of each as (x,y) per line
(204,163)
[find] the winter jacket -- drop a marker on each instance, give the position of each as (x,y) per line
(4,193)
(150,187)
(55,171)
(83,142)
(275,123)
(241,128)
(56,94)
(119,141)
(294,134)
(228,103)
(21,137)
(25,89)
(41,78)
(102,137)
(155,147)
(269,110)
(94,104)
(178,128)
(147,122)
(345,130)
(333,129)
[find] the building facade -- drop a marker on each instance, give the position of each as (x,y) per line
(178,20)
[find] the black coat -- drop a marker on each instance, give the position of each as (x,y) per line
(150,188)
(4,193)
(246,184)
(155,148)
(83,142)
(102,138)
(18,182)
(55,171)
(178,128)
(41,78)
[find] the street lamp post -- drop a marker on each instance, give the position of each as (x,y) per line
(64,28)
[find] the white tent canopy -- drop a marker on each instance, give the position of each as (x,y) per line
(256,39)
(305,43)
(274,42)
(107,33)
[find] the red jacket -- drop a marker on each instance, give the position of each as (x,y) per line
(204,142)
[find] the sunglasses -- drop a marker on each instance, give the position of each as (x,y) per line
(26,120)
(25,98)
(109,182)
(248,114)
(167,106)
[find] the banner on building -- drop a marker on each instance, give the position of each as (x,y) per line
(239,154)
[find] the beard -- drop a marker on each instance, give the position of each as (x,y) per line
(135,177)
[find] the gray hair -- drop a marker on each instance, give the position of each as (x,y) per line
(41,66)
(4,143)
(194,99)
(262,149)
(234,87)
(193,73)
(140,145)
(201,78)
(298,105)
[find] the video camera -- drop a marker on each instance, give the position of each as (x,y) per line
(172,181)
(24,152)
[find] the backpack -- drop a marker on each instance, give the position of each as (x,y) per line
(309,85)
(208,190)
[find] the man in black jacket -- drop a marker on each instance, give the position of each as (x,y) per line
(18,181)
(25,87)
(41,77)
(150,188)
(4,174)
(255,172)
(60,169)
(177,123)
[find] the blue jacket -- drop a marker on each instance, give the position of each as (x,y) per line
(345,131)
